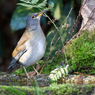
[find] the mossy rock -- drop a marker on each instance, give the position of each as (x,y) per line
(81,53)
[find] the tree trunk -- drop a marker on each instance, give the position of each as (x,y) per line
(87,12)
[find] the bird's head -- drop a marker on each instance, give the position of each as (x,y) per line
(33,20)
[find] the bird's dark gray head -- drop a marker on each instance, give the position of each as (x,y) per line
(33,20)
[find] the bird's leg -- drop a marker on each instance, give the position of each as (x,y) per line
(35,70)
(26,72)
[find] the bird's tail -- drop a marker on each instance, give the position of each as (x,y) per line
(13,66)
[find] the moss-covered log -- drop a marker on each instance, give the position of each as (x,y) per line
(65,89)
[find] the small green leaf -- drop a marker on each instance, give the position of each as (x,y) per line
(25,1)
(34,1)
(42,4)
(59,74)
(50,6)
(26,5)
(62,71)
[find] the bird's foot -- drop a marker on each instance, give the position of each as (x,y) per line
(31,74)
(38,74)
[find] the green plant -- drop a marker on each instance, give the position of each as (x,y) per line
(58,73)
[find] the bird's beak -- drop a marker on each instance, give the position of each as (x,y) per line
(41,13)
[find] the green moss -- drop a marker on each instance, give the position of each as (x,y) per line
(81,53)
(63,89)
(7,90)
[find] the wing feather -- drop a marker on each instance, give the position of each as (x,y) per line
(21,44)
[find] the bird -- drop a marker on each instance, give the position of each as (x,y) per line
(31,46)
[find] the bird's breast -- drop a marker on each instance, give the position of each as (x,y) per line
(40,47)
(35,50)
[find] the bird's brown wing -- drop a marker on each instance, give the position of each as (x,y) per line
(20,45)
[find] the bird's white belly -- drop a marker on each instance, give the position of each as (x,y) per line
(33,54)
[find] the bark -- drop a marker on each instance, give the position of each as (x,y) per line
(87,12)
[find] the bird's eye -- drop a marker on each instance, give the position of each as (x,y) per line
(32,17)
